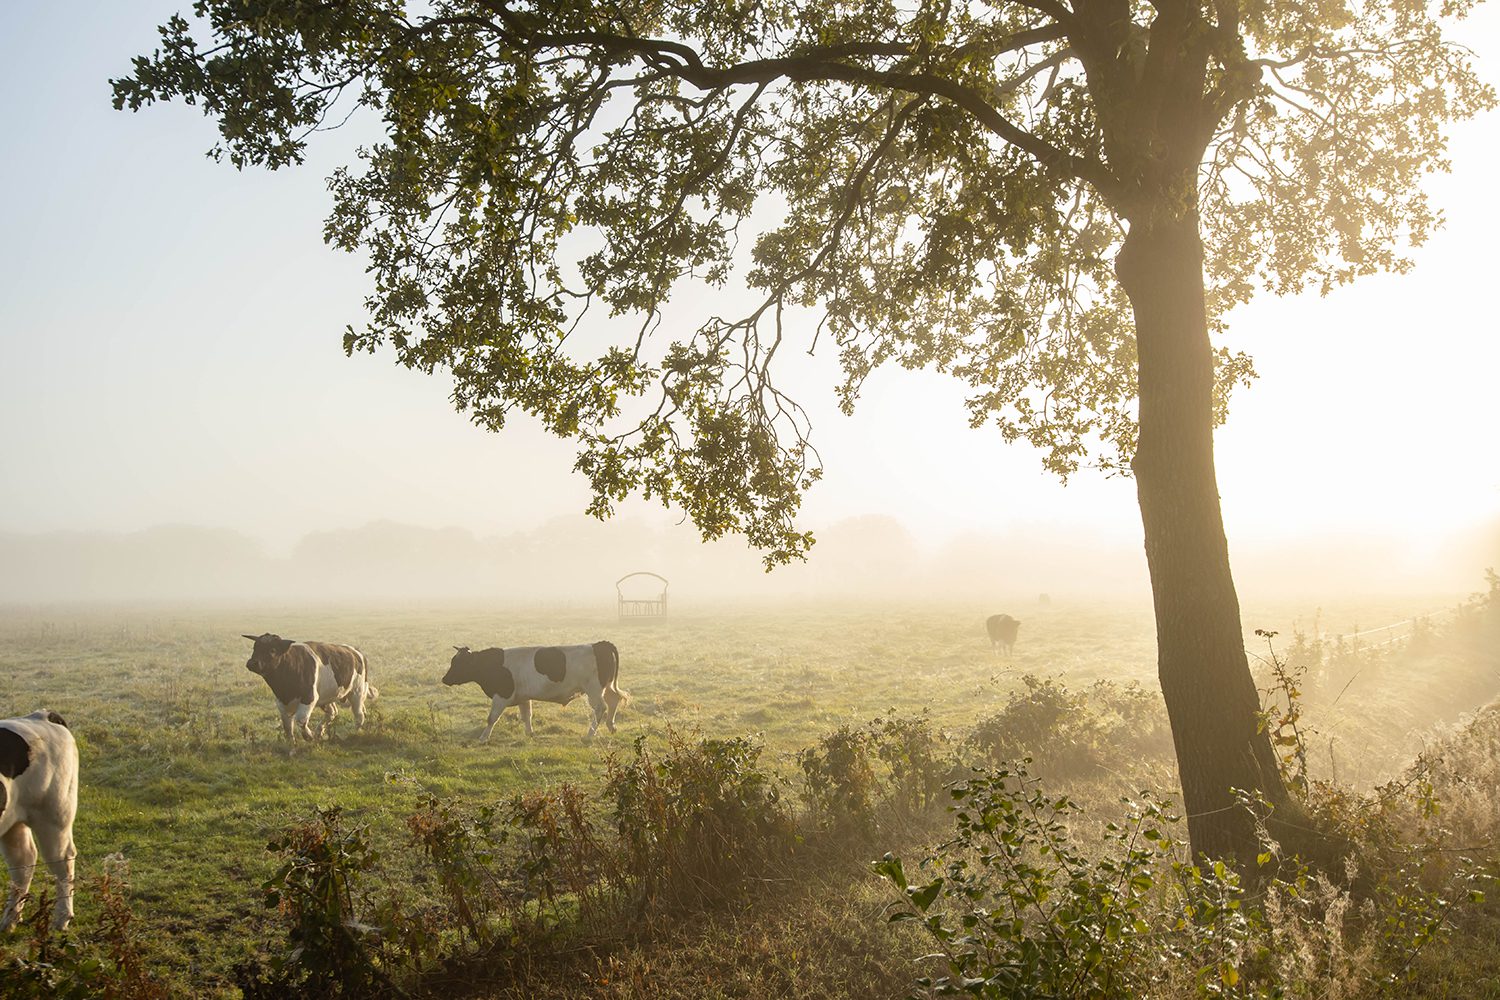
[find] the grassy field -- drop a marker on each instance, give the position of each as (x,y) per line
(184,773)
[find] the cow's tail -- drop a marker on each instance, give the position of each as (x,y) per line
(606,651)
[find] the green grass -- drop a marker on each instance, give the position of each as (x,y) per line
(184,772)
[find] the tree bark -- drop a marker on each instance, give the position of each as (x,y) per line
(1205,676)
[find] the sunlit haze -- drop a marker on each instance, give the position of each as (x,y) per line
(170,335)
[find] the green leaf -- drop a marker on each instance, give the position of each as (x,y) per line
(923,897)
(889,867)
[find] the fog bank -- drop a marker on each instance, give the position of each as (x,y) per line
(577,560)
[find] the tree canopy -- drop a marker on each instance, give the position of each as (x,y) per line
(947,184)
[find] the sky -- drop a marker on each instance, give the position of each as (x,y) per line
(170,354)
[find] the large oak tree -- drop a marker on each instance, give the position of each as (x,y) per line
(1055,201)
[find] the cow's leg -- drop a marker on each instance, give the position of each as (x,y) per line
(55,846)
(612,700)
(357,702)
(525,709)
(20,859)
(330,712)
(286,718)
(299,720)
(596,712)
(497,705)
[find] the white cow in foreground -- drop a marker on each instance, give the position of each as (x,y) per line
(38,800)
(523,674)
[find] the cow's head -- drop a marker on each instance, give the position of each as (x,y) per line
(461,669)
(268,649)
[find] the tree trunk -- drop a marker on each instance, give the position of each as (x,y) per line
(1205,677)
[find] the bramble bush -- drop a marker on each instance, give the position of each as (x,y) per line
(463,847)
(839,774)
(1020,911)
(919,758)
(563,870)
(683,824)
(51,965)
(892,768)
(1067,733)
(329,950)
(696,819)
(106,966)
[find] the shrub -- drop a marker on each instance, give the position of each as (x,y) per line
(51,965)
(1070,733)
(108,966)
(898,765)
(129,978)
(462,846)
(561,860)
(839,771)
(695,820)
(919,760)
(1019,911)
(329,951)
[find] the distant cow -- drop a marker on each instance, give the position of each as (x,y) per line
(524,674)
(1003,630)
(308,675)
(38,799)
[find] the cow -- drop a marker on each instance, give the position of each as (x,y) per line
(308,675)
(38,800)
(1002,630)
(523,674)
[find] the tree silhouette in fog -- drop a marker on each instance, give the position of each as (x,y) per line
(1055,201)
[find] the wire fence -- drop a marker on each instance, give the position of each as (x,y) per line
(1366,639)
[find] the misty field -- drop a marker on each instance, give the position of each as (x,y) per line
(184,773)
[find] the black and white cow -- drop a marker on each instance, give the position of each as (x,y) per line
(38,800)
(308,675)
(1003,630)
(523,674)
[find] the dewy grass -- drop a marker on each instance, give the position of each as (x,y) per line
(185,777)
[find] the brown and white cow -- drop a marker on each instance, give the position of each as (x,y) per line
(1003,630)
(308,675)
(38,800)
(523,674)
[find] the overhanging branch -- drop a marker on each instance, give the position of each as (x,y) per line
(827,64)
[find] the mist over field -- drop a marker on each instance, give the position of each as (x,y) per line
(575,560)
(1112,386)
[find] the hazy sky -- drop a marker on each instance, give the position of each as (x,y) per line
(170,352)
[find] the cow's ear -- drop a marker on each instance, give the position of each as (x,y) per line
(252,638)
(282,645)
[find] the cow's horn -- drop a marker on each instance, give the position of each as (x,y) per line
(252,638)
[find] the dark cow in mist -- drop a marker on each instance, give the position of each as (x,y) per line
(1003,630)
(523,674)
(38,800)
(308,675)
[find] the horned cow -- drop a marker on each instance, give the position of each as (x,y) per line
(308,675)
(523,674)
(38,800)
(1003,630)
